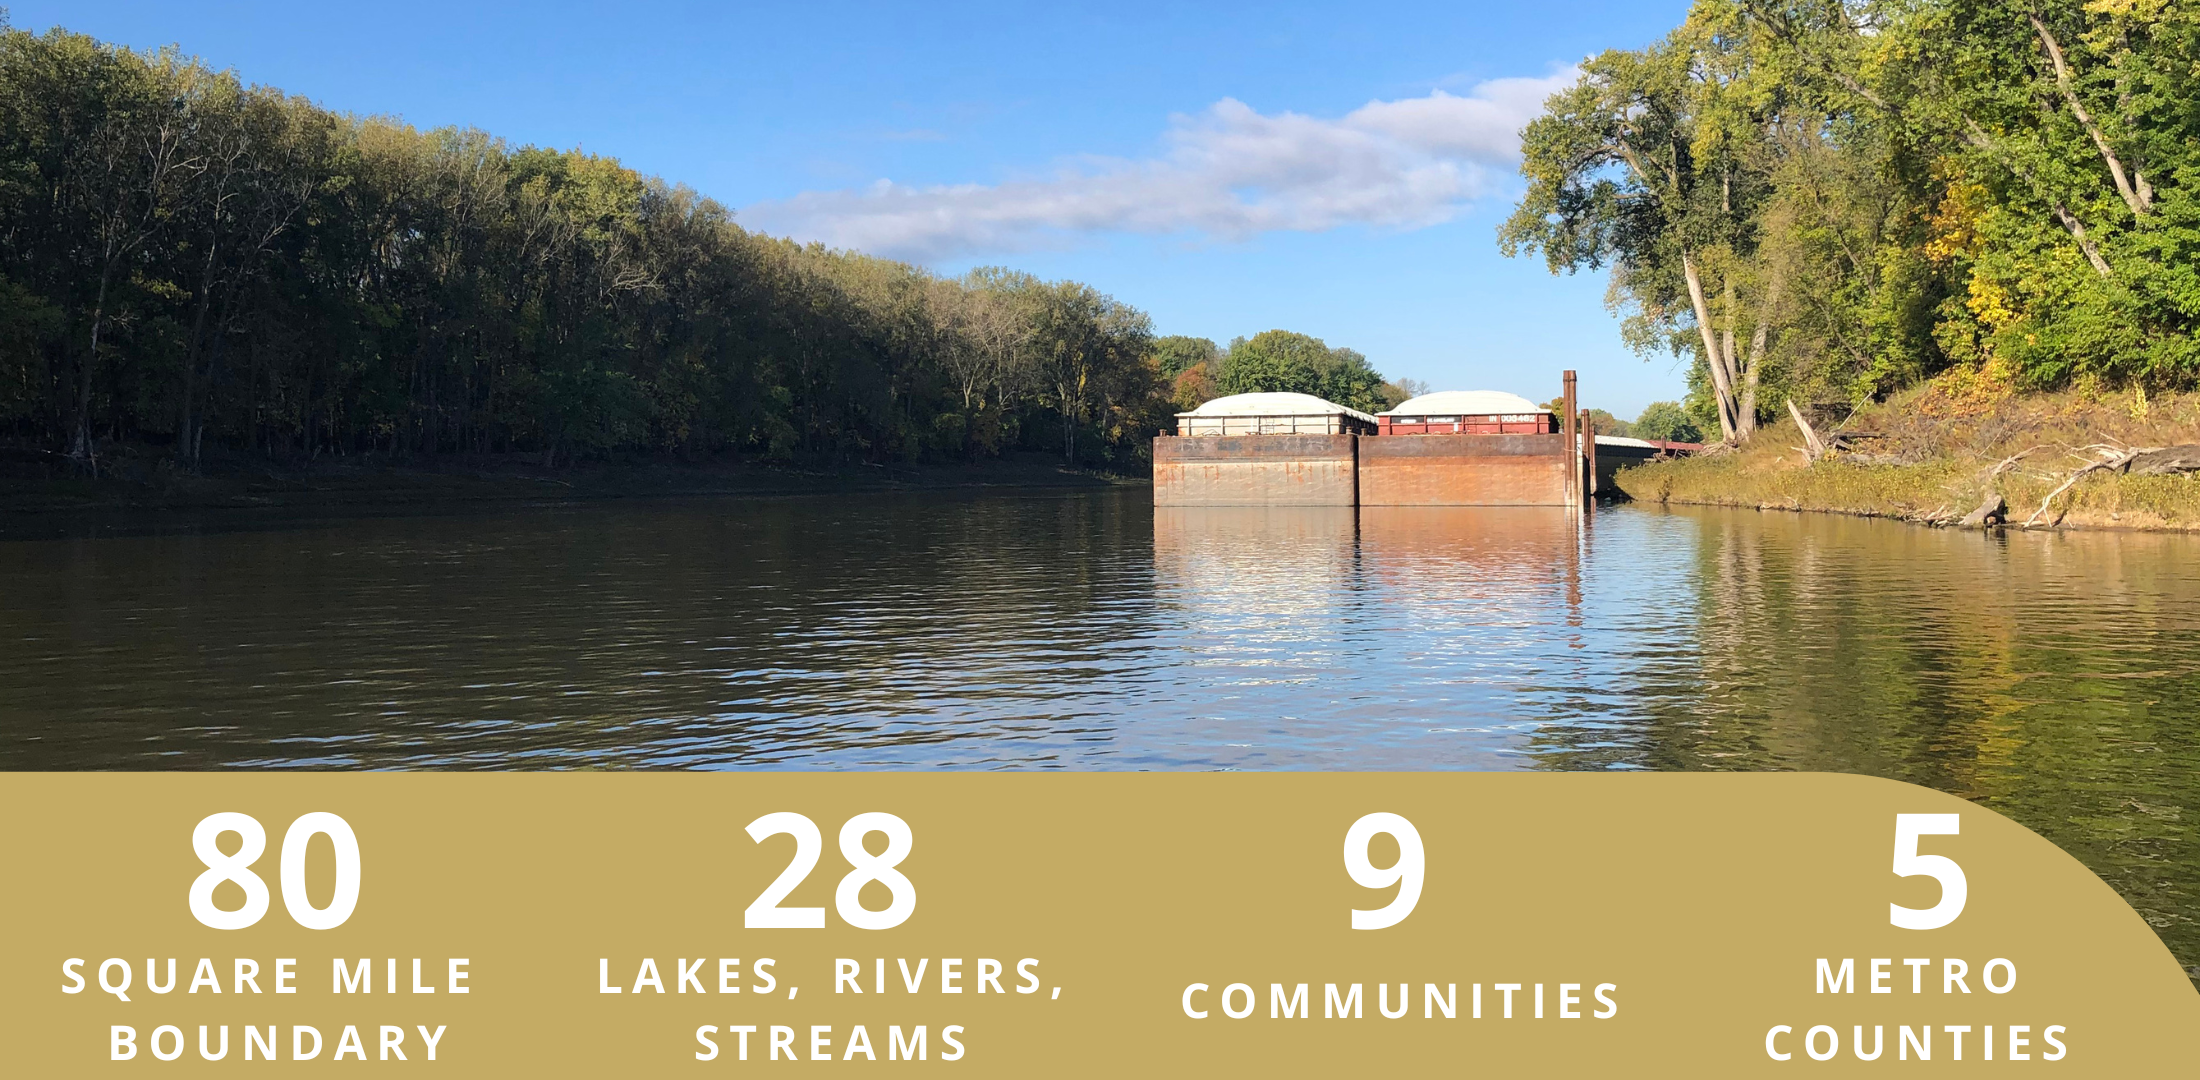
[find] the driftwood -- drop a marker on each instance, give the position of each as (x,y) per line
(2167,461)
(2111,458)
(2131,461)
(1813,448)
(1993,508)
(1993,511)
(1837,445)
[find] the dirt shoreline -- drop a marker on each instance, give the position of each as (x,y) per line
(1936,454)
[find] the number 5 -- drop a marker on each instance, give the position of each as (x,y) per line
(1908,863)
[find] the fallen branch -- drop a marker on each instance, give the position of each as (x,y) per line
(2166,461)
(2010,462)
(2129,460)
(2113,458)
(1812,447)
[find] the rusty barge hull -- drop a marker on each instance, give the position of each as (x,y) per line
(1466,470)
(1352,470)
(1256,470)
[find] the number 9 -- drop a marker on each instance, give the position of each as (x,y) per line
(1406,873)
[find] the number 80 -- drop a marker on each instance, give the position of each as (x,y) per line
(220,868)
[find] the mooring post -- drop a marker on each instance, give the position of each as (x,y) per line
(1573,445)
(1589,450)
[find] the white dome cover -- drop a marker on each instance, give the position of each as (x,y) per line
(1274,404)
(1467,403)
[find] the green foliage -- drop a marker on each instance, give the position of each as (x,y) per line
(1833,201)
(1397,392)
(187,260)
(1279,360)
(1666,421)
(1607,424)
(1177,354)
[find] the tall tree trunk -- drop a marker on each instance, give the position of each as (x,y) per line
(80,439)
(1752,368)
(1722,389)
(1745,419)
(1069,423)
(187,418)
(2085,243)
(2139,199)
(2070,223)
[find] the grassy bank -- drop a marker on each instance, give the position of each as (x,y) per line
(39,482)
(1933,454)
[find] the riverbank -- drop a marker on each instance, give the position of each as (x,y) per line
(40,482)
(1935,454)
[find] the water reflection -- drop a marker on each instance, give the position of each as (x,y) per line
(2051,677)
(1507,564)
(1286,564)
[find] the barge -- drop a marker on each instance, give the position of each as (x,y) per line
(1450,448)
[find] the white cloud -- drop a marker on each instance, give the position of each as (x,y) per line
(1227,173)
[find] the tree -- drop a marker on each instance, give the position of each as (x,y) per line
(2029,156)
(1083,343)
(203,266)
(1176,354)
(262,162)
(101,136)
(1193,387)
(1399,391)
(1279,360)
(1666,421)
(1607,424)
(1645,164)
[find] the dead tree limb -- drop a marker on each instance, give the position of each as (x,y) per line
(1812,447)
(2112,458)
(2010,462)
(2140,200)
(2167,461)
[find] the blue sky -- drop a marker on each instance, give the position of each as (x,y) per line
(1336,169)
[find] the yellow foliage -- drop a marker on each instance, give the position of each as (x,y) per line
(1989,303)
(2143,11)
(1956,222)
(1967,391)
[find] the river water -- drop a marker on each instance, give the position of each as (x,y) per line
(2050,677)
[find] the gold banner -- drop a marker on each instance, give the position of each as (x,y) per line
(1060,925)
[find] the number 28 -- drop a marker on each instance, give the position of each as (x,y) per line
(765,912)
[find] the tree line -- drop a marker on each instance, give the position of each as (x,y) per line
(1832,200)
(196,264)
(1273,361)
